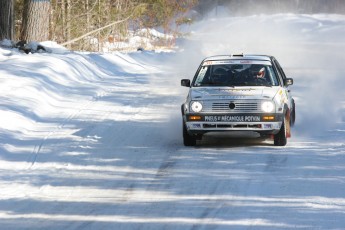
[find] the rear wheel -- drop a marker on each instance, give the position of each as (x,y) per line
(293,114)
(280,139)
(188,140)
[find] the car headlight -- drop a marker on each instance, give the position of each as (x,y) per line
(267,106)
(196,106)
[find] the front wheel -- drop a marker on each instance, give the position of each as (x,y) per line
(280,139)
(188,140)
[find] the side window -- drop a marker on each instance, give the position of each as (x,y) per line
(281,74)
(280,70)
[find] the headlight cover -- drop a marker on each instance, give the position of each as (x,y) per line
(196,106)
(267,106)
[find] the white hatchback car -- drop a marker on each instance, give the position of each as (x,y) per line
(238,93)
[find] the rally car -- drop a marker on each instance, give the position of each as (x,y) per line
(238,93)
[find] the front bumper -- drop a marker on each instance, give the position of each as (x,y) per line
(261,123)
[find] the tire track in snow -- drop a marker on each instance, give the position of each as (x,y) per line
(37,149)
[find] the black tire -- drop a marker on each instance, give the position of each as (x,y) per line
(293,114)
(188,140)
(280,139)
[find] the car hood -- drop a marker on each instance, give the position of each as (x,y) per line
(233,93)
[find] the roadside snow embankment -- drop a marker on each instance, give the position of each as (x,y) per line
(43,95)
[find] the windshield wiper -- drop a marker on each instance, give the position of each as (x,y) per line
(241,84)
(266,85)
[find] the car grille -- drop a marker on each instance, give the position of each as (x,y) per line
(224,106)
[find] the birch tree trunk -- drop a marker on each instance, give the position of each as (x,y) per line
(63,16)
(6,19)
(35,25)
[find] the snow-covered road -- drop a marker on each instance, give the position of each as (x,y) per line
(93,141)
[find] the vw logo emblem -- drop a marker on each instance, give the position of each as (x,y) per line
(232,105)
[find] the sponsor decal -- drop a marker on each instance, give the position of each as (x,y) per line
(281,97)
(218,62)
(225,118)
(198,126)
(231,97)
(267,126)
(207,63)
(222,62)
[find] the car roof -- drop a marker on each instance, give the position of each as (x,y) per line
(239,57)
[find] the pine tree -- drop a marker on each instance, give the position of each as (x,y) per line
(36,15)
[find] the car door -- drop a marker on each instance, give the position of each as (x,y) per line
(283,77)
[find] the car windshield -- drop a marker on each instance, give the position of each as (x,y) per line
(236,75)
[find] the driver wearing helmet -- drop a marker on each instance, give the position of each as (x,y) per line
(261,74)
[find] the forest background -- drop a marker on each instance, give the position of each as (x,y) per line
(87,24)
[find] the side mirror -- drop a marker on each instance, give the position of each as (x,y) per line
(185,82)
(288,81)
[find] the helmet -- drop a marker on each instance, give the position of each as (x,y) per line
(261,73)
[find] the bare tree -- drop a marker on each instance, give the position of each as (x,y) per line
(6,19)
(35,25)
(84,24)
